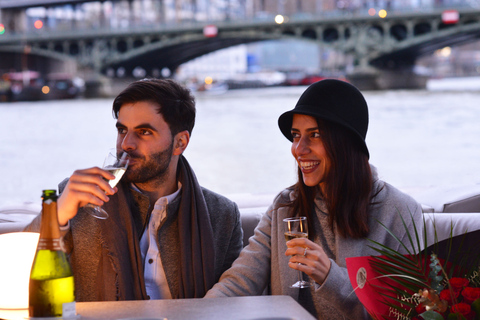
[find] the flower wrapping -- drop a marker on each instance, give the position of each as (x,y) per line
(440,282)
(365,282)
(373,289)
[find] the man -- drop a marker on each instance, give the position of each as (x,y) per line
(166,237)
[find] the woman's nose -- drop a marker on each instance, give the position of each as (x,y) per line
(302,147)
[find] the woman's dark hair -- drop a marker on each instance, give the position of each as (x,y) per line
(348,184)
(176,103)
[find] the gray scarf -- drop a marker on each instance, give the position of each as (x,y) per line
(119,275)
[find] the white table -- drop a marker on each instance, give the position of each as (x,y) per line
(235,308)
(258,307)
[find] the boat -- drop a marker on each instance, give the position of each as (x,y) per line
(5,92)
(61,86)
(218,87)
(32,86)
(302,78)
(25,85)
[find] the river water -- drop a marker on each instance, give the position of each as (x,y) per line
(417,140)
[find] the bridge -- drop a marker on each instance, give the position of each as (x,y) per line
(384,50)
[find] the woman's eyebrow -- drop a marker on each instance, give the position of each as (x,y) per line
(308,129)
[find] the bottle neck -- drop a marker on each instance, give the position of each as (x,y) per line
(50,237)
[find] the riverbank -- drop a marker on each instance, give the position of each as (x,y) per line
(113,87)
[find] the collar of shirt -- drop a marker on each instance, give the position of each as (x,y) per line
(157,217)
(159,212)
(155,279)
(169,197)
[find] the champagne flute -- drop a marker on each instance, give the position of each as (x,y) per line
(116,165)
(296,228)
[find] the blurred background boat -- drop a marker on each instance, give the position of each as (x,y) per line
(32,86)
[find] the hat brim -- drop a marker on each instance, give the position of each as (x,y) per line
(285,122)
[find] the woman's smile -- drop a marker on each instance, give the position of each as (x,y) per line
(308,166)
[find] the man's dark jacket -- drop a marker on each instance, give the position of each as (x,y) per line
(90,252)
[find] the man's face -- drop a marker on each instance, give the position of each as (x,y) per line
(146,137)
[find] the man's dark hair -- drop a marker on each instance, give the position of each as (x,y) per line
(176,103)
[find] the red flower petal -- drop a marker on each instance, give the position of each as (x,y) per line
(464,309)
(458,283)
(447,296)
(470,294)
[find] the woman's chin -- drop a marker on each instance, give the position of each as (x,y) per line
(311,182)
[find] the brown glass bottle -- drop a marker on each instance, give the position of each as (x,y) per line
(51,278)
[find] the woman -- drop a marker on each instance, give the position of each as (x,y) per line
(343,199)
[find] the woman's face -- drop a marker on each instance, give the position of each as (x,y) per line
(308,149)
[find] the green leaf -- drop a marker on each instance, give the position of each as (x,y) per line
(476,308)
(431,315)
(407,274)
(455,316)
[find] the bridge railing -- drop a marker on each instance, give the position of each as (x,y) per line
(62,19)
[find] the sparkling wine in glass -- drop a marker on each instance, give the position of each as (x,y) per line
(296,228)
(116,164)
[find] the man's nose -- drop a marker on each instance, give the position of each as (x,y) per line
(128,142)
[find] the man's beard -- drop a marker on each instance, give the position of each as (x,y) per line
(154,169)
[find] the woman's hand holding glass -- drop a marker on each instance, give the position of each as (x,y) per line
(296,227)
(308,257)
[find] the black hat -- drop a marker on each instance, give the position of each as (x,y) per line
(332,100)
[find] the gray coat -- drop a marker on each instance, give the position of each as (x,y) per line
(85,238)
(263,264)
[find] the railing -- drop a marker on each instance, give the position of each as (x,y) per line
(91,16)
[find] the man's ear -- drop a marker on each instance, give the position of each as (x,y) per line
(181,141)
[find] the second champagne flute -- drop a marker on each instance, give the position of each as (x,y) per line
(116,164)
(296,228)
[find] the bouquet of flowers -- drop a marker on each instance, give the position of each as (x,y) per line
(439,282)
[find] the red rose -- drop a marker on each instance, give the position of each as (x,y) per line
(447,296)
(464,309)
(458,283)
(420,308)
(470,294)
